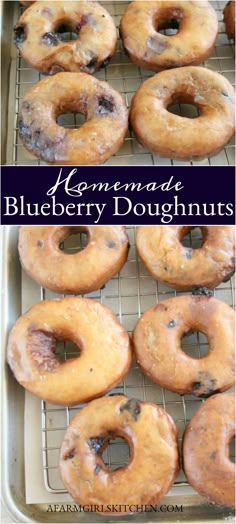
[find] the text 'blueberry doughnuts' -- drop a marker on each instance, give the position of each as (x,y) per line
(177,137)
(105,348)
(197,31)
(153,466)
(38,36)
(88,270)
(94,142)
(185,268)
(157,345)
(206,443)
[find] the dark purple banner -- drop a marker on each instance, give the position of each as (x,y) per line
(117,195)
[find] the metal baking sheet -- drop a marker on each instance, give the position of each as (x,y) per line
(126,77)
(40,426)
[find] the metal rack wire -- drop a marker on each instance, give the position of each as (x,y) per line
(129,294)
(126,77)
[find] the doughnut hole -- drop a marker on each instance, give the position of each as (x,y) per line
(169,22)
(66,349)
(194,344)
(75,242)
(184,110)
(116,453)
(71,120)
(232,450)
(193,237)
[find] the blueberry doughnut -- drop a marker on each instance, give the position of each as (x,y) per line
(177,137)
(206,461)
(104,344)
(229,19)
(82,272)
(184,268)
(197,31)
(153,466)
(157,345)
(94,142)
(38,36)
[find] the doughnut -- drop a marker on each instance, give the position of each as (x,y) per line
(197,26)
(207,465)
(153,467)
(177,137)
(94,142)
(229,19)
(104,344)
(81,272)
(184,268)
(157,345)
(38,36)
(27,2)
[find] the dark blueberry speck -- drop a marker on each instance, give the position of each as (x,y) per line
(206,385)
(40,243)
(106,62)
(97,469)
(189,254)
(110,244)
(105,106)
(202,290)
(92,63)
(70,454)
(133,406)
(96,443)
(52,39)
(171,324)
(19,35)
(213,455)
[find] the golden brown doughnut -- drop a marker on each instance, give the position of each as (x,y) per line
(192,44)
(229,19)
(82,272)
(95,141)
(184,268)
(157,344)
(177,137)
(38,37)
(105,350)
(153,467)
(207,465)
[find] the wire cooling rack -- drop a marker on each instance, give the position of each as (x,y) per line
(126,77)
(128,295)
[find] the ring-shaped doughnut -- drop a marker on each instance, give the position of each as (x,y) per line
(82,272)
(206,442)
(157,345)
(95,141)
(197,31)
(153,466)
(229,19)
(185,268)
(178,137)
(38,36)
(104,344)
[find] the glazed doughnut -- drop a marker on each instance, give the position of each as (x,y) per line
(229,19)
(197,31)
(38,36)
(207,465)
(94,142)
(184,268)
(177,137)
(157,344)
(105,350)
(82,272)
(153,467)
